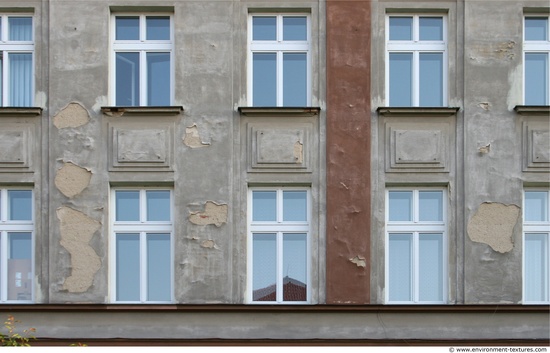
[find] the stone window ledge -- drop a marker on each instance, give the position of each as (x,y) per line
(20,111)
(533,110)
(418,111)
(120,111)
(279,111)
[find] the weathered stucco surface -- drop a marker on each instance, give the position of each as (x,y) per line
(71,179)
(493,224)
(76,231)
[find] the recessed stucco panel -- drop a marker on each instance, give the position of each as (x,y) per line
(141,146)
(418,146)
(13,147)
(76,231)
(277,146)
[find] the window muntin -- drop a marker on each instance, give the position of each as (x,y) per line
(416,246)
(142,238)
(536,246)
(279,53)
(536,55)
(416,50)
(16,245)
(279,238)
(143,49)
(16,61)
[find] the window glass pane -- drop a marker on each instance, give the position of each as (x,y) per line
(264,28)
(158,28)
(264,81)
(295,206)
(295,79)
(158,79)
(431,28)
(536,206)
(127,28)
(536,78)
(400,267)
(430,206)
(20,205)
(431,79)
(295,267)
(127,205)
(294,28)
(20,79)
(430,267)
(400,207)
(127,267)
(20,266)
(536,28)
(264,267)
(127,79)
(536,268)
(264,206)
(158,205)
(20,28)
(159,273)
(401,79)
(401,28)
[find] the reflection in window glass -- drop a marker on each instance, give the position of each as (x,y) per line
(127,79)
(264,264)
(158,79)
(295,267)
(19,266)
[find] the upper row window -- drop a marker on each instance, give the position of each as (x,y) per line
(536,48)
(280,53)
(143,60)
(16,61)
(416,50)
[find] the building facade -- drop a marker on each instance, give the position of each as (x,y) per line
(369,172)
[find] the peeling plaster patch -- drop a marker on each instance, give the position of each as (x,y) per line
(213,214)
(73,115)
(76,230)
(209,244)
(484,105)
(485,149)
(299,152)
(505,50)
(71,179)
(493,224)
(360,261)
(192,138)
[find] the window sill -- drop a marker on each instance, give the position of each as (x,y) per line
(20,111)
(418,111)
(117,111)
(279,111)
(533,109)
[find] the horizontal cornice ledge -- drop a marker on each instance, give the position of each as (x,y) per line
(279,111)
(418,111)
(533,110)
(156,110)
(20,111)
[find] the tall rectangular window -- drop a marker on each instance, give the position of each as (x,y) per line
(416,61)
(16,245)
(536,63)
(279,53)
(536,246)
(143,47)
(16,61)
(416,256)
(278,243)
(142,245)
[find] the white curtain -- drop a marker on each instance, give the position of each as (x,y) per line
(20,79)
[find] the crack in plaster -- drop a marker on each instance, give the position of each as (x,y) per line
(72,179)
(72,116)
(76,231)
(213,214)
(493,224)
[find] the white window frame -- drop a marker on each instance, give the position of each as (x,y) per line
(13,226)
(280,47)
(142,46)
(143,227)
(416,227)
(532,46)
(14,47)
(537,227)
(416,47)
(279,227)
